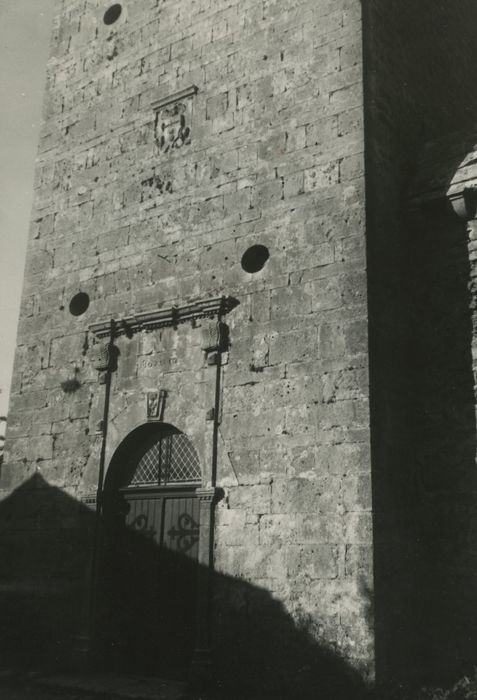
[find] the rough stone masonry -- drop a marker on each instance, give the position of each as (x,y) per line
(178,137)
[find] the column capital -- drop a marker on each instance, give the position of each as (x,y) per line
(207,495)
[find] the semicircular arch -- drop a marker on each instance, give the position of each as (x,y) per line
(153,454)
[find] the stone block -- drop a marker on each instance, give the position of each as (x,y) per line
(13,474)
(39,260)
(245,423)
(289,301)
(356,337)
(358,528)
(345,385)
(245,465)
(246,536)
(312,562)
(321,177)
(263,563)
(292,347)
(277,530)
(332,341)
(294,495)
(344,458)
(294,185)
(359,562)
(325,294)
(318,528)
(357,492)
(255,498)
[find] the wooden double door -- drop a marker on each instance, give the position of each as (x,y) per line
(151,543)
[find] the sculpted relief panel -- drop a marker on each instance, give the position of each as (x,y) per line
(173,127)
(173,121)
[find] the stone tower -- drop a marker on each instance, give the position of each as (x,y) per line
(188,473)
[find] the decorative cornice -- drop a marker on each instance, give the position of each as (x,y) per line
(163,318)
(175,97)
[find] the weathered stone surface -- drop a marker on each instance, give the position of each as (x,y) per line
(143,200)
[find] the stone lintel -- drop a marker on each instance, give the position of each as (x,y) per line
(162,318)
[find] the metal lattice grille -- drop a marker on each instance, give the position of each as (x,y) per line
(183,465)
(170,460)
(149,467)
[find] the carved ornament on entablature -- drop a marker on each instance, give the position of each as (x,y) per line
(214,308)
(215,335)
(173,120)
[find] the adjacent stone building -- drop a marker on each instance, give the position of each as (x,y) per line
(245,337)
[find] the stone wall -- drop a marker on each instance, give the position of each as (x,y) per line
(145,200)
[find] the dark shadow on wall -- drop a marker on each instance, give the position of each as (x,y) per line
(45,546)
(45,538)
(442,497)
(421,327)
(425,485)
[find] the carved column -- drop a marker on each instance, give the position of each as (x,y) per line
(82,642)
(201,662)
(105,362)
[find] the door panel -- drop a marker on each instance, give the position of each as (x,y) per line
(181,526)
(155,581)
(178,584)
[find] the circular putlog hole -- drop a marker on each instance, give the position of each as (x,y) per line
(79,303)
(112,14)
(255,258)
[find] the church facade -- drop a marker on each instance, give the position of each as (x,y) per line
(242,421)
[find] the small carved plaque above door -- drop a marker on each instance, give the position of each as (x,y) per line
(152,404)
(155,403)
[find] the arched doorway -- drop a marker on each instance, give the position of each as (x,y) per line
(148,574)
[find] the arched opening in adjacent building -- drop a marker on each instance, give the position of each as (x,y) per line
(148,573)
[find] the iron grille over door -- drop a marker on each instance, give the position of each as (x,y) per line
(168,459)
